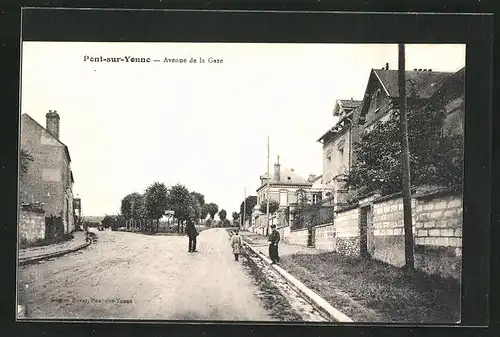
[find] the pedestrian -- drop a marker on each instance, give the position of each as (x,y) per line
(192,233)
(274,239)
(236,244)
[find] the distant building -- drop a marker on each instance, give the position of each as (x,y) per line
(284,185)
(49,179)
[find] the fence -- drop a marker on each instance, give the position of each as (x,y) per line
(314,215)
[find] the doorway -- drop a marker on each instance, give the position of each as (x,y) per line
(367,244)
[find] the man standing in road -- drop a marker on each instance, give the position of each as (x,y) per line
(192,234)
(274,239)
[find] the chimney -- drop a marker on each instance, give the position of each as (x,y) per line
(52,125)
(387,66)
(277,170)
(311,178)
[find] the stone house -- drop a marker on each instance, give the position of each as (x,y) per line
(49,179)
(338,147)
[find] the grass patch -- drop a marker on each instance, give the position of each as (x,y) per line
(384,290)
(45,242)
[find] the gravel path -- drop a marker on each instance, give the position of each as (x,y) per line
(134,276)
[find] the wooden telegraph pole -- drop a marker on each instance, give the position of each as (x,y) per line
(267,180)
(408,226)
(244,205)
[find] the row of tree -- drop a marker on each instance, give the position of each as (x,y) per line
(149,207)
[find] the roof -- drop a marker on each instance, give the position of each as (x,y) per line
(287,177)
(349,103)
(40,126)
(425,83)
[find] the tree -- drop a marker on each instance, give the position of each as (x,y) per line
(25,159)
(155,202)
(273,206)
(198,201)
(204,211)
(212,210)
(251,201)
(223,221)
(236,216)
(434,159)
(179,200)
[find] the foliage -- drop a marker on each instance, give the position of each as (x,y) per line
(197,203)
(235,216)
(155,201)
(212,209)
(25,159)
(273,206)
(204,211)
(132,205)
(434,159)
(251,201)
(179,200)
(222,214)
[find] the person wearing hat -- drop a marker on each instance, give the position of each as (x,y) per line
(274,239)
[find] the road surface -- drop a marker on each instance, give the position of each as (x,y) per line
(135,276)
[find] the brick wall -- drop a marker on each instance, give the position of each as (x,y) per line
(31,225)
(347,232)
(297,237)
(324,237)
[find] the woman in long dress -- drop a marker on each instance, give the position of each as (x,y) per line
(236,244)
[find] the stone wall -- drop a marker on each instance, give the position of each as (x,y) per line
(437,232)
(31,225)
(297,237)
(438,235)
(324,237)
(347,232)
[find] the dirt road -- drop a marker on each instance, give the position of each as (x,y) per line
(134,276)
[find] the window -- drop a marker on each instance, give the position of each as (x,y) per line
(375,103)
(283,198)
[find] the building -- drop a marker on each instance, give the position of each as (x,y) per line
(284,185)
(382,92)
(338,149)
(49,179)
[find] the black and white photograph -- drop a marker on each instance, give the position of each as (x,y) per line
(241,182)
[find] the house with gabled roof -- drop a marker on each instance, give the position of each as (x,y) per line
(382,92)
(49,179)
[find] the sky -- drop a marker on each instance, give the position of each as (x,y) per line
(203,125)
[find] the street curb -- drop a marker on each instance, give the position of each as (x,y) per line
(51,255)
(314,299)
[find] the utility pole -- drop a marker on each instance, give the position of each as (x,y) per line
(244,205)
(267,180)
(405,152)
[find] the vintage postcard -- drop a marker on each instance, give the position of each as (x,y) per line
(284,182)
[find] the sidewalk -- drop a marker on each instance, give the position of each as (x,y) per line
(367,290)
(260,243)
(30,253)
